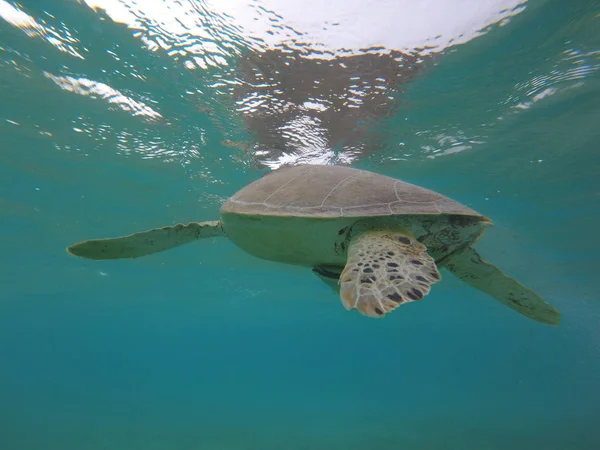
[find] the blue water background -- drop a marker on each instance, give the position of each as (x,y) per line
(205,347)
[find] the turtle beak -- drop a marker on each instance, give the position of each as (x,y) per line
(487,222)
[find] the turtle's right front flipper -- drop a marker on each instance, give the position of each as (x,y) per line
(384,270)
(146,242)
(473,270)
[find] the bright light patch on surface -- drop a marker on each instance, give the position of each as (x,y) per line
(95,89)
(567,73)
(62,41)
(346,27)
(19,19)
(339,27)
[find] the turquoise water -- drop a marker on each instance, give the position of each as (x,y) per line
(117,117)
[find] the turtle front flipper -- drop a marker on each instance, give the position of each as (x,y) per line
(385,269)
(473,270)
(145,242)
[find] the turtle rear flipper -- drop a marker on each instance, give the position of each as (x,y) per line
(480,274)
(330,275)
(145,242)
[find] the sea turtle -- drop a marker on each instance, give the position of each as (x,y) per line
(377,240)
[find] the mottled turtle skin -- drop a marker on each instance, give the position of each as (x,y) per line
(307,214)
